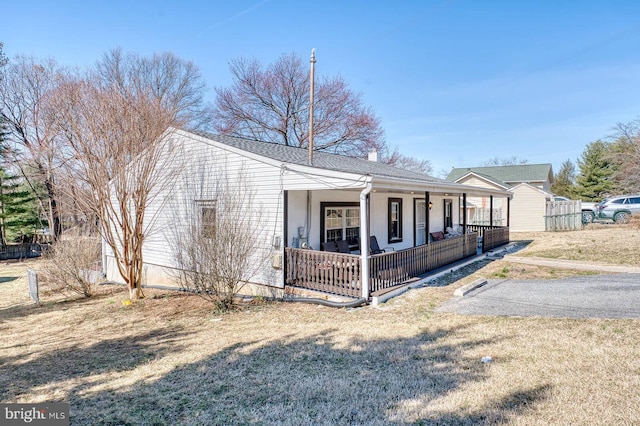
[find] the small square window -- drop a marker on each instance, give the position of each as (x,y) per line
(207,218)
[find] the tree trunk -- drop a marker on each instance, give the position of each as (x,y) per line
(55,225)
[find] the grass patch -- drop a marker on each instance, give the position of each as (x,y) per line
(171,359)
(606,243)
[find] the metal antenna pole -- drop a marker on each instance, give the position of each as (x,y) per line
(313,62)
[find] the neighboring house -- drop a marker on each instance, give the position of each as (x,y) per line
(303,205)
(529,183)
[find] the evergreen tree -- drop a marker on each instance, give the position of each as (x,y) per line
(18,211)
(564,180)
(597,168)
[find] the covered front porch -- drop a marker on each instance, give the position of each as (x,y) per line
(419,230)
(346,274)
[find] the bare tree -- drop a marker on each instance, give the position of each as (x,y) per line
(174,83)
(406,162)
(116,122)
(218,227)
(3,60)
(26,92)
(625,154)
(505,161)
(272,104)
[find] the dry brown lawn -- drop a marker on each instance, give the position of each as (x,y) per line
(170,359)
(599,242)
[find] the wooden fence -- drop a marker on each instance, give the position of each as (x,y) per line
(563,216)
(21,251)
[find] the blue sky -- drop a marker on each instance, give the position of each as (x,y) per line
(454,82)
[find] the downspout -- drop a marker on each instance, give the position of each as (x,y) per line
(285,235)
(364,239)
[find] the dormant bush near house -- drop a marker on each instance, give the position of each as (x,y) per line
(72,264)
(217,246)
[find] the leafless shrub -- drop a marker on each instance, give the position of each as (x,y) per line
(70,266)
(217,242)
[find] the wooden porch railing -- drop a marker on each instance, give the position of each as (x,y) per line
(390,269)
(492,236)
(495,237)
(324,271)
(341,273)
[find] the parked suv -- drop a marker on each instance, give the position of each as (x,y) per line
(620,208)
(589,210)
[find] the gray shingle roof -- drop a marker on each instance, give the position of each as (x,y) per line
(321,160)
(507,175)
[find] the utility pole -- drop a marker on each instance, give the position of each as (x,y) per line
(311,78)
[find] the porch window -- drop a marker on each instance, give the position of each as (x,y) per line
(395,220)
(342,223)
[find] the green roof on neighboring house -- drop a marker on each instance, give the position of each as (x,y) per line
(509,175)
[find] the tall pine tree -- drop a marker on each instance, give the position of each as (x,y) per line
(18,211)
(597,169)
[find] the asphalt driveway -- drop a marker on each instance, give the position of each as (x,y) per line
(593,296)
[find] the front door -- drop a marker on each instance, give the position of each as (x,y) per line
(421,222)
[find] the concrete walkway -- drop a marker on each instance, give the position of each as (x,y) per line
(573,264)
(592,296)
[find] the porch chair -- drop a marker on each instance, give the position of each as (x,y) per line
(330,246)
(374,248)
(343,247)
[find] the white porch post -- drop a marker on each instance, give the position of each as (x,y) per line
(364,238)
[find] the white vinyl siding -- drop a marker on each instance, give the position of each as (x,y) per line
(527,209)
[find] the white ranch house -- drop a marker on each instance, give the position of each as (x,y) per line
(305,206)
